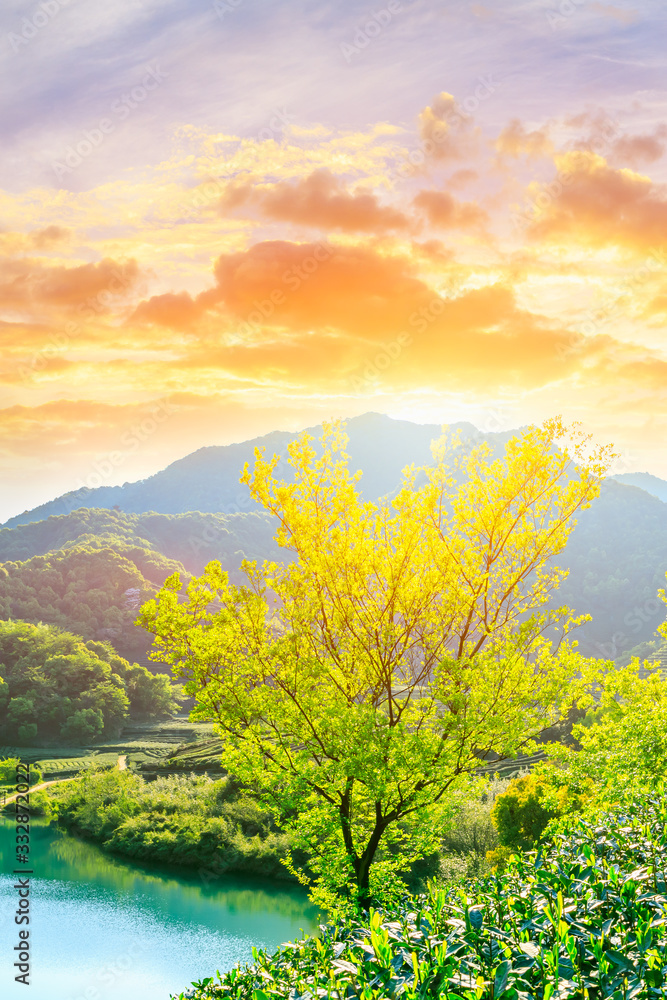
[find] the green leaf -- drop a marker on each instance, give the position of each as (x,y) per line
(500,980)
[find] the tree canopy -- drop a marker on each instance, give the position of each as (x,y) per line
(52,684)
(408,639)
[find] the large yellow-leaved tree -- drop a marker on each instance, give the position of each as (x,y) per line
(401,642)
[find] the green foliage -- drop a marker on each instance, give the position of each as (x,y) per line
(59,686)
(92,590)
(522,813)
(470,829)
(582,919)
(622,742)
(85,724)
(8,774)
(42,805)
(361,681)
(190,821)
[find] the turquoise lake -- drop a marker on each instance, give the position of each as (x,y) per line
(104,929)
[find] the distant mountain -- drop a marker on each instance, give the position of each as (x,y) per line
(617,557)
(208,479)
(645,481)
(196,510)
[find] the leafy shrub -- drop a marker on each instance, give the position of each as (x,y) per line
(523,812)
(185,820)
(583,919)
(8,767)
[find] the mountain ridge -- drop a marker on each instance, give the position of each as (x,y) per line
(379,445)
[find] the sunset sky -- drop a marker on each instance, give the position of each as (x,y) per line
(222,219)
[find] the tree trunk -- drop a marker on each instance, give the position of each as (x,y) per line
(363,866)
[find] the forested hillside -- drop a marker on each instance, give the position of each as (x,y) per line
(55,686)
(617,557)
(153,542)
(93,592)
(89,571)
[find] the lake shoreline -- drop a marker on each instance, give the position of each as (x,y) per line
(148,927)
(206,875)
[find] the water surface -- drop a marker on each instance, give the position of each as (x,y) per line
(105,929)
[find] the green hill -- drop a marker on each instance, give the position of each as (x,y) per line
(617,554)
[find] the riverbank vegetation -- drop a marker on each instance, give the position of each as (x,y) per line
(215,827)
(190,821)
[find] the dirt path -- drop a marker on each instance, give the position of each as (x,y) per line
(35,788)
(121,765)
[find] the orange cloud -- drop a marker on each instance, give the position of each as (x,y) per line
(600,206)
(44,239)
(176,310)
(461,177)
(319,200)
(312,314)
(623,14)
(26,283)
(604,136)
(39,239)
(636,149)
(443,210)
(446,129)
(316,285)
(515,141)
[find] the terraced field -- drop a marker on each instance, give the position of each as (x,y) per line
(200,757)
(147,747)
